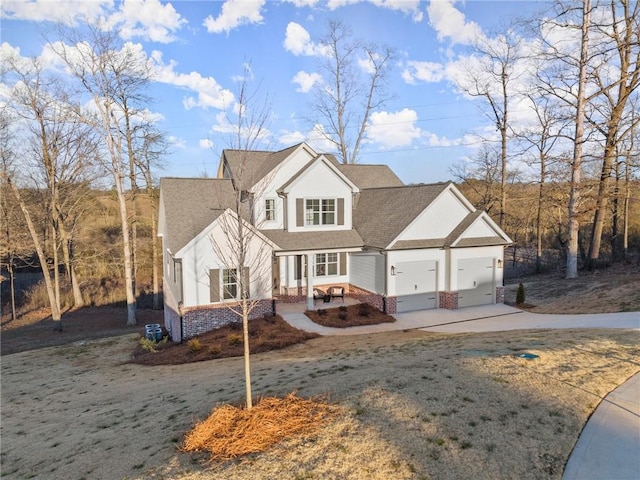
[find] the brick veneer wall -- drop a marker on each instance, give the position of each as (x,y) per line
(198,320)
(448,300)
(499,294)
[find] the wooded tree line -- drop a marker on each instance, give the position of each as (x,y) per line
(564,99)
(65,133)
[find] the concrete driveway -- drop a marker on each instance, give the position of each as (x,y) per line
(487,318)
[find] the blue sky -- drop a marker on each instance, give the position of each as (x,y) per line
(199,48)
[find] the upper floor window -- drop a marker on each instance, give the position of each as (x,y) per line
(320,211)
(269,209)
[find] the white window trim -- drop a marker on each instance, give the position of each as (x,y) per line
(274,210)
(326,264)
(223,295)
(321,212)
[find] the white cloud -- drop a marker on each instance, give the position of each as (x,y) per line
(60,11)
(449,23)
(147,19)
(298,41)
(306,81)
(302,3)
(209,93)
(393,129)
(429,72)
(235,13)
(205,143)
(408,7)
(177,142)
(314,137)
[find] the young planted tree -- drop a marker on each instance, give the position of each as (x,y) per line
(243,251)
(353,87)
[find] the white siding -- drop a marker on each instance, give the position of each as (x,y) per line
(437,220)
(319,181)
(367,271)
(267,187)
(199,256)
(479,229)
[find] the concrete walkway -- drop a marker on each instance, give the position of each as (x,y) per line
(609,446)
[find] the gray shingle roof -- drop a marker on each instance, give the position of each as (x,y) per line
(383,213)
(190,204)
(314,240)
(250,166)
(370,176)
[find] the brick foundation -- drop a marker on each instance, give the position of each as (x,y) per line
(499,294)
(448,300)
(199,320)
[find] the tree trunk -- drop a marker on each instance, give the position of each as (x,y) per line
(247,361)
(128,268)
(55,310)
(67,251)
(539,215)
(576,164)
(154,257)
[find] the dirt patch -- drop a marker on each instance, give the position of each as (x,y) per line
(36,329)
(608,290)
(349,316)
(265,334)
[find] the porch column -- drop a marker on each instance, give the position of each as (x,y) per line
(310,267)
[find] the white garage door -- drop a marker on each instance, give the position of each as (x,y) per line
(475,282)
(416,285)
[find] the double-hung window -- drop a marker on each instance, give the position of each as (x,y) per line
(320,211)
(269,209)
(229,283)
(326,264)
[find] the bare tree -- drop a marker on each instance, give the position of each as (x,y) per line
(244,253)
(151,149)
(542,139)
(481,176)
(115,76)
(490,75)
(349,93)
(620,34)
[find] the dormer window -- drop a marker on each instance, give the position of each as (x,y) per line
(269,209)
(320,211)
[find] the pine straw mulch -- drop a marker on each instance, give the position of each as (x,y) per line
(265,334)
(230,431)
(349,316)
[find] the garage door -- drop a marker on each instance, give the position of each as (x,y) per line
(416,285)
(475,282)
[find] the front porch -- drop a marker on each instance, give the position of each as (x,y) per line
(287,307)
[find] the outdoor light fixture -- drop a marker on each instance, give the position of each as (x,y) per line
(393,270)
(499,263)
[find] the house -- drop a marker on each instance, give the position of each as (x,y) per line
(315,223)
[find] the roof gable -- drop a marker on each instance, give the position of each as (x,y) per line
(477,229)
(319,160)
(191,204)
(383,213)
